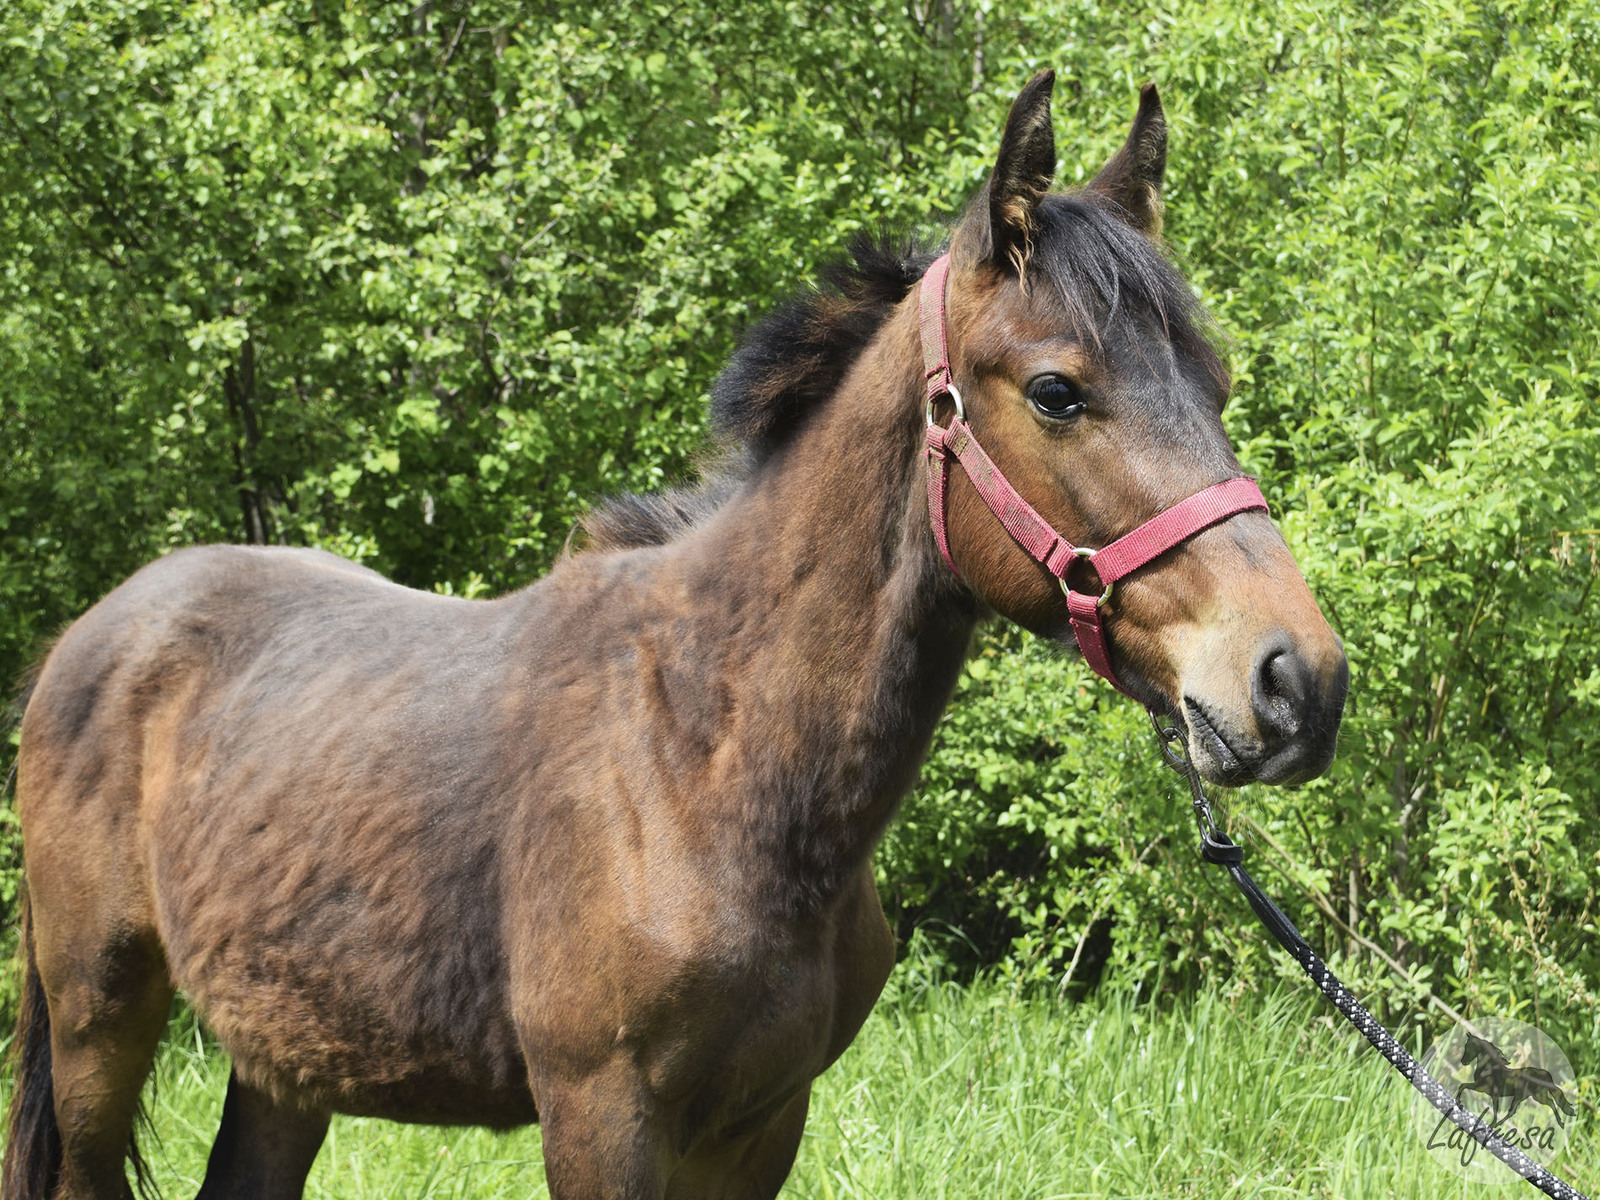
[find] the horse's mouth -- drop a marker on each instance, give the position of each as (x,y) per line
(1228,768)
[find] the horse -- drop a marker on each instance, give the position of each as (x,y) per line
(1496,1078)
(596,853)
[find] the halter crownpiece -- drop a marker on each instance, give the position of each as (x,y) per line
(957,443)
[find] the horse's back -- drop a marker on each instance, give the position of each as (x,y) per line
(205,615)
(276,764)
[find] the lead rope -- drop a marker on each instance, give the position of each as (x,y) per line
(1217,847)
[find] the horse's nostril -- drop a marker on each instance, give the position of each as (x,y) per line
(1280,690)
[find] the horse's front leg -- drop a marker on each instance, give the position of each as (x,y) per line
(751,1167)
(602,1136)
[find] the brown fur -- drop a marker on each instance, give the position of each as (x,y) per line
(597,853)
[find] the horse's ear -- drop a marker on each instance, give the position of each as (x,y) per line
(1022,173)
(1132,179)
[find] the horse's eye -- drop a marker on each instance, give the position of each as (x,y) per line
(1055,396)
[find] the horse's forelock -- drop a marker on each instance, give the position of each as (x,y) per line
(1103,271)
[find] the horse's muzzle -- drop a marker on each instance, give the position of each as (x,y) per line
(1290,730)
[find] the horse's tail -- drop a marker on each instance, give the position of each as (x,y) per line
(33,1145)
(1561,1102)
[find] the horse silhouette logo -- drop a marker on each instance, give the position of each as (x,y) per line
(1495,1077)
(1513,1078)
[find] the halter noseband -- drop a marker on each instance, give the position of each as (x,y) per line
(956,442)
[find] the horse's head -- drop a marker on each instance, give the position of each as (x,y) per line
(1087,371)
(1478,1048)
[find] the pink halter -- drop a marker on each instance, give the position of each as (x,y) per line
(1031,531)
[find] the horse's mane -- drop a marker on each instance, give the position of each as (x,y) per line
(787,365)
(1096,264)
(656,518)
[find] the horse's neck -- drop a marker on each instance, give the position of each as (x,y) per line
(839,633)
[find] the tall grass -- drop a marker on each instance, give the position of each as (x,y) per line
(978,1092)
(966,1091)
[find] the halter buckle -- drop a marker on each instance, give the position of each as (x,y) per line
(1066,588)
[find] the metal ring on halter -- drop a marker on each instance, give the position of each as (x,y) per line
(961,409)
(1084,552)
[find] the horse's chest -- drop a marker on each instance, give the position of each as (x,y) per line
(742,1047)
(740,1041)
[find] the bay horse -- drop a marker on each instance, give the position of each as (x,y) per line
(597,853)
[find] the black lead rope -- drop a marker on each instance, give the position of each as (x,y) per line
(1217,847)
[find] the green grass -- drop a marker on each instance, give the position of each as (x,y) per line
(972,1091)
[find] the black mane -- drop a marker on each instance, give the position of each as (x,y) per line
(797,357)
(787,366)
(1095,263)
(656,518)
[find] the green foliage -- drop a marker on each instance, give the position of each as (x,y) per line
(416,283)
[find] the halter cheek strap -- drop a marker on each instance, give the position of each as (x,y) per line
(956,444)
